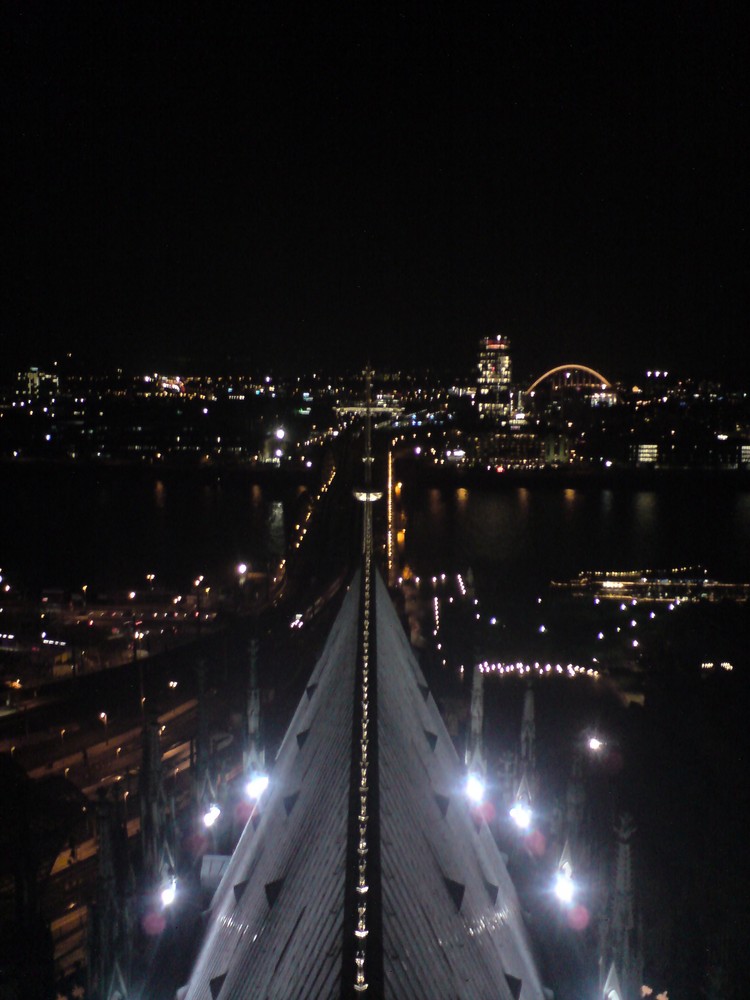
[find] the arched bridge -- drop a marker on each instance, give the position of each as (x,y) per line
(573,376)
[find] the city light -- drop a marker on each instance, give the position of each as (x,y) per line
(595,744)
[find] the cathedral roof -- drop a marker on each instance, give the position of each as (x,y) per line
(364,868)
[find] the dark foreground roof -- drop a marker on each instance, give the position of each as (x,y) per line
(364,870)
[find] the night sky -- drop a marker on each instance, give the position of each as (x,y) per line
(308,185)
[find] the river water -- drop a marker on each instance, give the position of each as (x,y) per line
(518,539)
(66,526)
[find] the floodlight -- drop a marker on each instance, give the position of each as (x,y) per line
(256,786)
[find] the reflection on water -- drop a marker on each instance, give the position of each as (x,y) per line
(276,533)
(61,526)
(521,539)
(436,506)
(740,525)
(645,520)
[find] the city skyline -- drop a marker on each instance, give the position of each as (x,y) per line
(266,184)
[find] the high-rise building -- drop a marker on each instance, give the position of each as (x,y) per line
(493,384)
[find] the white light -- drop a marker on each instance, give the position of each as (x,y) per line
(280,433)
(212,815)
(256,786)
(595,743)
(521,815)
(168,893)
(564,888)
(242,569)
(475,788)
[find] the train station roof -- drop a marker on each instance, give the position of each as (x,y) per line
(365,870)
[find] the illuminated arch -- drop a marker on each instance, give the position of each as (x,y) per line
(568,368)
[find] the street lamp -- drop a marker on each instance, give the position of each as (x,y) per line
(105,720)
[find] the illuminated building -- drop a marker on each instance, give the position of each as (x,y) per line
(38,383)
(493,384)
(366,867)
(647,454)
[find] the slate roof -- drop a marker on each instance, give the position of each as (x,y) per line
(364,869)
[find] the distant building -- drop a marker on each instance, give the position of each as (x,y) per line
(493,384)
(511,450)
(36,383)
(647,454)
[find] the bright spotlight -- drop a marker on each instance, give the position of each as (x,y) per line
(212,814)
(242,569)
(475,788)
(280,433)
(169,892)
(595,743)
(564,887)
(256,786)
(521,815)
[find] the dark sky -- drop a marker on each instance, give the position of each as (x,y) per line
(307,185)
